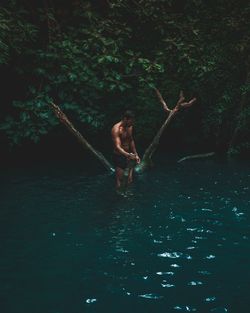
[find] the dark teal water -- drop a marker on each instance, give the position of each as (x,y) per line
(181,243)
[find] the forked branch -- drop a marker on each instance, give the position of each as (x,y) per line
(181,103)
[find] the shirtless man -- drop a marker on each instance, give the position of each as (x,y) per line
(124,147)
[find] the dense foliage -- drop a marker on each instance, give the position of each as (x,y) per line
(96,58)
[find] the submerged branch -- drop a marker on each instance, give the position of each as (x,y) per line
(196,156)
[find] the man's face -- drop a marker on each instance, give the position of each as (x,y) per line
(128,122)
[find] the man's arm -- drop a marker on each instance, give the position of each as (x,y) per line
(117,143)
(133,148)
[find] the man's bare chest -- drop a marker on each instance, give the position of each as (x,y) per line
(124,134)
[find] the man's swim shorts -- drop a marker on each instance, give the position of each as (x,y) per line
(120,161)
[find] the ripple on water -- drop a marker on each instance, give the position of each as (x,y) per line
(185,308)
(175,265)
(204,272)
(190,248)
(195,283)
(237,213)
(210,257)
(150,296)
(219,310)
(210,299)
(172,255)
(122,250)
(89,301)
(167,285)
(165,273)
(158,241)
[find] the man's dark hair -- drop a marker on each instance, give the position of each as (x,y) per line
(128,114)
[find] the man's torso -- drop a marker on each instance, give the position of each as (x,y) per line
(125,135)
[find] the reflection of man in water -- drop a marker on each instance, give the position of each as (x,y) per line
(124,147)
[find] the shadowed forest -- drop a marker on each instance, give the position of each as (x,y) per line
(95,59)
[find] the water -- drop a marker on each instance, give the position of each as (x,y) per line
(180,243)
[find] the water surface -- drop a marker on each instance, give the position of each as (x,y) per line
(180,243)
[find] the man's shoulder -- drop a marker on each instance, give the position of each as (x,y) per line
(115,127)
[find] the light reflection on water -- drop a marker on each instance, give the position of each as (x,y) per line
(179,242)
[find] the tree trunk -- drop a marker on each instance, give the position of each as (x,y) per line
(65,121)
(147,157)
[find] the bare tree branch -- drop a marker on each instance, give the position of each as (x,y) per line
(196,156)
(65,121)
(165,107)
(147,157)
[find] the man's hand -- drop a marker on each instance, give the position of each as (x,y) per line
(132,156)
(138,160)
(135,157)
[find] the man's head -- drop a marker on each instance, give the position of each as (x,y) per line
(128,118)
